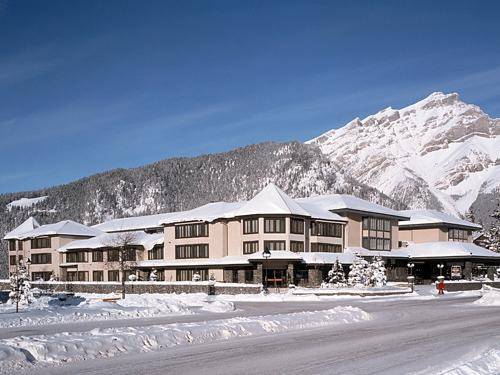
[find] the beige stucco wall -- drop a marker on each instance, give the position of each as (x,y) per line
(420,235)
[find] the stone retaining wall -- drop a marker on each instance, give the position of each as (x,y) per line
(145,287)
(473,285)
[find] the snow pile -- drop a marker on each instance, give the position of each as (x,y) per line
(49,310)
(25,202)
(64,347)
(491,297)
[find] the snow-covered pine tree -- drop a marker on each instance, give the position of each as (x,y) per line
(20,287)
(336,276)
(153,276)
(377,275)
(359,274)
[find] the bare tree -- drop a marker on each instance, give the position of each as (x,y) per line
(122,251)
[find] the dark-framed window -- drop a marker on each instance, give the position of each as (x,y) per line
(318,247)
(324,229)
(97,256)
(251,226)
(40,243)
(248,276)
(274,225)
(191,251)
(275,245)
(12,245)
(13,260)
(297,246)
(45,276)
(250,247)
(187,274)
(97,276)
(191,230)
(114,275)
(156,253)
(43,258)
(113,255)
(376,233)
(455,234)
(20,245)
(296,226)
(76,257)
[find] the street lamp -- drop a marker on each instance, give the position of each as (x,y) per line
(28,264)
(440,267)
(266,254)
(411,278)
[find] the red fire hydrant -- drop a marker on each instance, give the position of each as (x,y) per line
(440,286)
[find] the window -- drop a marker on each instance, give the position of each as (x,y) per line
(250,226)
(274,225)
(248,276)
(44,258)
(71,276)
(160,275)
(250,247)
(129,255)
(191,230)
(127,274)
(13,260)
(113,255)
(296,226)
(97,276)
(20,245)
(323,229)
(12,245)
(187,275)
(40,243)
(325,248)
(376,233)
(191,251)
(76,257)
(156,253)
(275,245)
(45,276)
(97,256)
(113,275)
(234,276)
(460,235)
(296,246)
(83,275)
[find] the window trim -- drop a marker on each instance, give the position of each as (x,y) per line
(253,229)
(271,227)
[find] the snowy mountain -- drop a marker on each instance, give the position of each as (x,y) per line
(184,183)
(438,153)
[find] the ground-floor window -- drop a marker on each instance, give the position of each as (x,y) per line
(97,276)
(275,245)
(77,276)
(301,274)
(187,274)
(114,275)
(248,276)
(45,276)
(296,246)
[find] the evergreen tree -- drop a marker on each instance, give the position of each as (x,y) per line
(336,276)
(377,274)
(359,274)
(20,287)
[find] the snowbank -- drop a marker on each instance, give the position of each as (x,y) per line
(68,347)
(490,297)
(49,310)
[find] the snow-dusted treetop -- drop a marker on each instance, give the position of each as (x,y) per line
(65,227)
(433,217)
(28,225)
(105,240)
(445,249)
(25,202)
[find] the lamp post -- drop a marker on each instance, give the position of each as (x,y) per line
(440,267)
(266,254)
(411,278)
(28,264)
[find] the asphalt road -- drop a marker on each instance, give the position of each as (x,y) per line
(403,337)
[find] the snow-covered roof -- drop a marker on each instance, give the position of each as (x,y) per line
(148,241)
(433,217)
(276,254)
(445,249)
(229,260)
(317,212)
(28,225)
(345,202)
(208,212)
(134,223)
(65,227)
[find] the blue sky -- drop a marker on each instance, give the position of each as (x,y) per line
(87,86)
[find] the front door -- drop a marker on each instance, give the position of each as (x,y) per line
(276,278)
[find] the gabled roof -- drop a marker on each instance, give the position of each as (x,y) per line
(28,225)
(65,227)
(433,217)
(134,223)
(445,249)
(345,202)
(271,200)
(148,241)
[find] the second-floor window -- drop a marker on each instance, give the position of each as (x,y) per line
(325,248)
(155,253)
(97,256)
(296,226)
(376,233)
(250,226)
(274,225)
(460,235)
(191,230)
(12,245)
(250,247)
(319,228)
(44,258)
(76,257)
(191,251)
(40,243)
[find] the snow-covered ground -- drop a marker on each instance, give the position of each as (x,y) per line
(82,307)
(490,297)
(60,348)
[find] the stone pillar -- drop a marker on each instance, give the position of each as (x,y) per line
(491,273)
(468,271)
(241,276)
(314,276)
(257,274)
(290,274)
